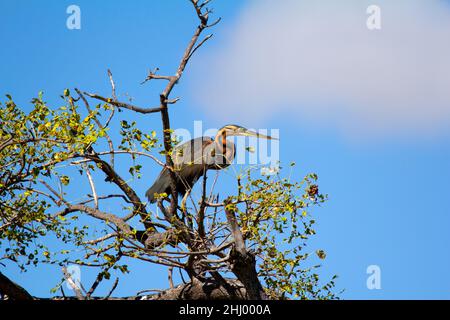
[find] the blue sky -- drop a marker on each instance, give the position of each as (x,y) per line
(388,188)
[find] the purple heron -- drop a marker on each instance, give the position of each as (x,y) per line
(193,158)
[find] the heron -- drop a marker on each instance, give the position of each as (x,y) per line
(193,158)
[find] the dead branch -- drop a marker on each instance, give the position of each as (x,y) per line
(123,104)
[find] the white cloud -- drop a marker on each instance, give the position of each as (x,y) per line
(316,62)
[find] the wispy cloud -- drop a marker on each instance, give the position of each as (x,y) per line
(317,61)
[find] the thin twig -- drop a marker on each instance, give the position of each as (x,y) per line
(116,282)
(92,184)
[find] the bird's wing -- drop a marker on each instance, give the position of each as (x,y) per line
(190,152)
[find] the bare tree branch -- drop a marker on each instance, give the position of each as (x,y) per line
(235,231)
(72,284)
(123,104)
(108,217)
(92,184)
(116,282)
(139,206)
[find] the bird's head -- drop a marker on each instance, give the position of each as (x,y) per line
(235,130)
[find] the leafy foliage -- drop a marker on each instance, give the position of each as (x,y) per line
(31,146)
(275,219)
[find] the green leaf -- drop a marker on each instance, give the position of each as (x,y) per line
(321,254)
(65,180)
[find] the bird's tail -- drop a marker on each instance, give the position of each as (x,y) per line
(161,185)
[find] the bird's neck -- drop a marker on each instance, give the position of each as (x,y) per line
(221,138)
(224,147)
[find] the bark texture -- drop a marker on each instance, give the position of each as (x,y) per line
(11,290)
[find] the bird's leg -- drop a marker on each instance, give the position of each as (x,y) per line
(183,201)
(186,217)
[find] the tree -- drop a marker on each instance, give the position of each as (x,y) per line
(250,245)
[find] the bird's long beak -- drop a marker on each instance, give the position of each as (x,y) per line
(250,133)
